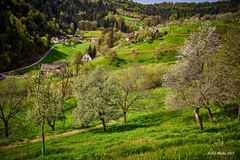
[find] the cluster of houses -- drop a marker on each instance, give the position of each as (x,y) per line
(56,66)
(131,36)
(59,39)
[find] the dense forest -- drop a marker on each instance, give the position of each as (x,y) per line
(182,10)
(28,25)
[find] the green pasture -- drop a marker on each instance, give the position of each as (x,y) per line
(152,132)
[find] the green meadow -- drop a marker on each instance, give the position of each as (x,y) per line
(153,130)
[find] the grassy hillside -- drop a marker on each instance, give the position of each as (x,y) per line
(153,130)
(63,52)
(161,50)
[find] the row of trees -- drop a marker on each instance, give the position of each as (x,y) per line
(99,96)
(178,10)
(44,96)
(207,71)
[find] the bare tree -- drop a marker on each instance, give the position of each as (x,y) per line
(192,77)
(46,106)
(11,102)
(132,83)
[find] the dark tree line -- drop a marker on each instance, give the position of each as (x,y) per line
(182,10)
(22,34)
(27,25)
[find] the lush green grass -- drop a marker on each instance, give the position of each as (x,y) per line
(161,50)
(96,33)
(134,22)
(63,52)
(151,133)
(224,26)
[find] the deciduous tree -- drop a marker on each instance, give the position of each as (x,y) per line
(96,96)
(192,77)
(131,86)
(78,61)
(11,102)
(227,67)
(46,105)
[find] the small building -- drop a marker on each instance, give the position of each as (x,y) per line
(142,28)
(86,58)
(80,38)
(56,66)
(55,40)
(155,32)
(129,37)
(94,39)
(136,34)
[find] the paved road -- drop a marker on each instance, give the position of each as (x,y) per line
(2,75)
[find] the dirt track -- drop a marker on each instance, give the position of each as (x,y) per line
(47,137)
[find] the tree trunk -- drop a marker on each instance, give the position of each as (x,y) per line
(77,69)
(51,125)
(198,119)
(125,117)
(104,124)
(64,122)
(210,116)
(63,112)
(6,128)
(238,113)
(43,140)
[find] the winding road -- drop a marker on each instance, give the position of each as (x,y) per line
(3,74)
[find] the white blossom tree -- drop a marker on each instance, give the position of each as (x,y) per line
(192,78)
(96,95)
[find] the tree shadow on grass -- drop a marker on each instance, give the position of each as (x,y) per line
(55,55)
(118,128)
(156,118)
(152,119)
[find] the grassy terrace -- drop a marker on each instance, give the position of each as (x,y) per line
(135,23)
(161,50)
(96,33)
